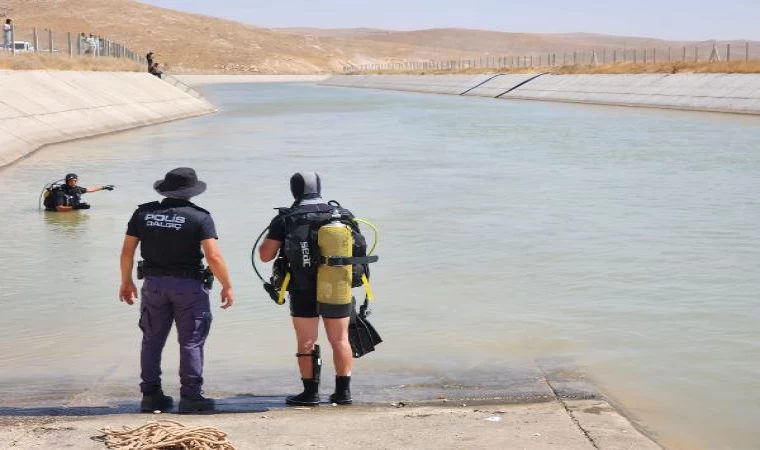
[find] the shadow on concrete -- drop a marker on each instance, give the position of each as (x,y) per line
(241,403)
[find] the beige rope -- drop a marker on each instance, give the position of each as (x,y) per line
(165,435)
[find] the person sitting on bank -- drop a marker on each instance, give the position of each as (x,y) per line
(155,70)
(68,197)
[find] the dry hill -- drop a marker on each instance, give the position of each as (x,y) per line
(450,41)
(181,39)
(189,42)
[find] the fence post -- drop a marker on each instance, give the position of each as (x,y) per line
(684,54)
(654,56)
(728,53)
(36,40)
(670,54)
(635,56)
(746,50)
(71,50)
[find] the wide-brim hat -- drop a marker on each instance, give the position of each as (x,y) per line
(181,182)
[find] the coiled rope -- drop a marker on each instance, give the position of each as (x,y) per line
(165,435)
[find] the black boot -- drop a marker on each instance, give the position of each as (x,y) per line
(309,396)
(156,401)
(196,404)
(342,395)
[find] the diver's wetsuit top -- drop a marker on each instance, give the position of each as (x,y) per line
(69,196)
(170,233)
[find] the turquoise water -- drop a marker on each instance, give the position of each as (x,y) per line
(623,242)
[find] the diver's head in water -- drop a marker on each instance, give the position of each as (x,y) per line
(305,186)
(71,179)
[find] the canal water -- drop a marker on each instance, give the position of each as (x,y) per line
(619,243)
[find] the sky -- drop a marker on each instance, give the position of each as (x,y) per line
(665,19)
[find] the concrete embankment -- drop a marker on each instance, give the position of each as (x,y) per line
(45,107)
(732,93)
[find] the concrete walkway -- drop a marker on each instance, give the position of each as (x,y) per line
(555,424)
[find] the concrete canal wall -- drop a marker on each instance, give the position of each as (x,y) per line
(439,84)
(732,93)
(45,107)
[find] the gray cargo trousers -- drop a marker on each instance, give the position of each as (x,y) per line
(185,302)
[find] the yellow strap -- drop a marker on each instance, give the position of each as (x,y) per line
(283,289)
(367,288)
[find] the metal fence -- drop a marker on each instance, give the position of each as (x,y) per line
(694,53)
(31,40)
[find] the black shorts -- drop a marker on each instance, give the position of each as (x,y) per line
(304,304)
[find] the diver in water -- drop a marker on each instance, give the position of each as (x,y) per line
(68,196)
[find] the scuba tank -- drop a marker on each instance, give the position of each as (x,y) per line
(334,281)
(344,267)
(47,195)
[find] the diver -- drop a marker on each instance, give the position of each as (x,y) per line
(291,239)
(68,196)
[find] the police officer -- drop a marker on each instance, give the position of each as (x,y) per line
(69,196)
(174,235)
(305,311)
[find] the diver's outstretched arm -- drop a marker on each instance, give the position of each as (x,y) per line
(107,187)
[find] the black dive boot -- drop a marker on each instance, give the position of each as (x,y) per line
(309,396)
(342,395)
(196,404)
(156,401)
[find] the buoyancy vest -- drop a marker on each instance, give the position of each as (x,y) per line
(300,249)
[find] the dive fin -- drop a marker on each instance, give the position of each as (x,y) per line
(362,336)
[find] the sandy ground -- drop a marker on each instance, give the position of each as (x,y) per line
(555,424)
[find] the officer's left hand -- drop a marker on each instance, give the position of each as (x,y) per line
(108,187)
(228,298)
(128,292)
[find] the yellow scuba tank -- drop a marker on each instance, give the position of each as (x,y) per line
(334,282)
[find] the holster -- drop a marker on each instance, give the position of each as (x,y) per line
(140,270)
(208,278)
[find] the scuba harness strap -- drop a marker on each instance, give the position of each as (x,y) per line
(316,362)
(337,261)
(282,275)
